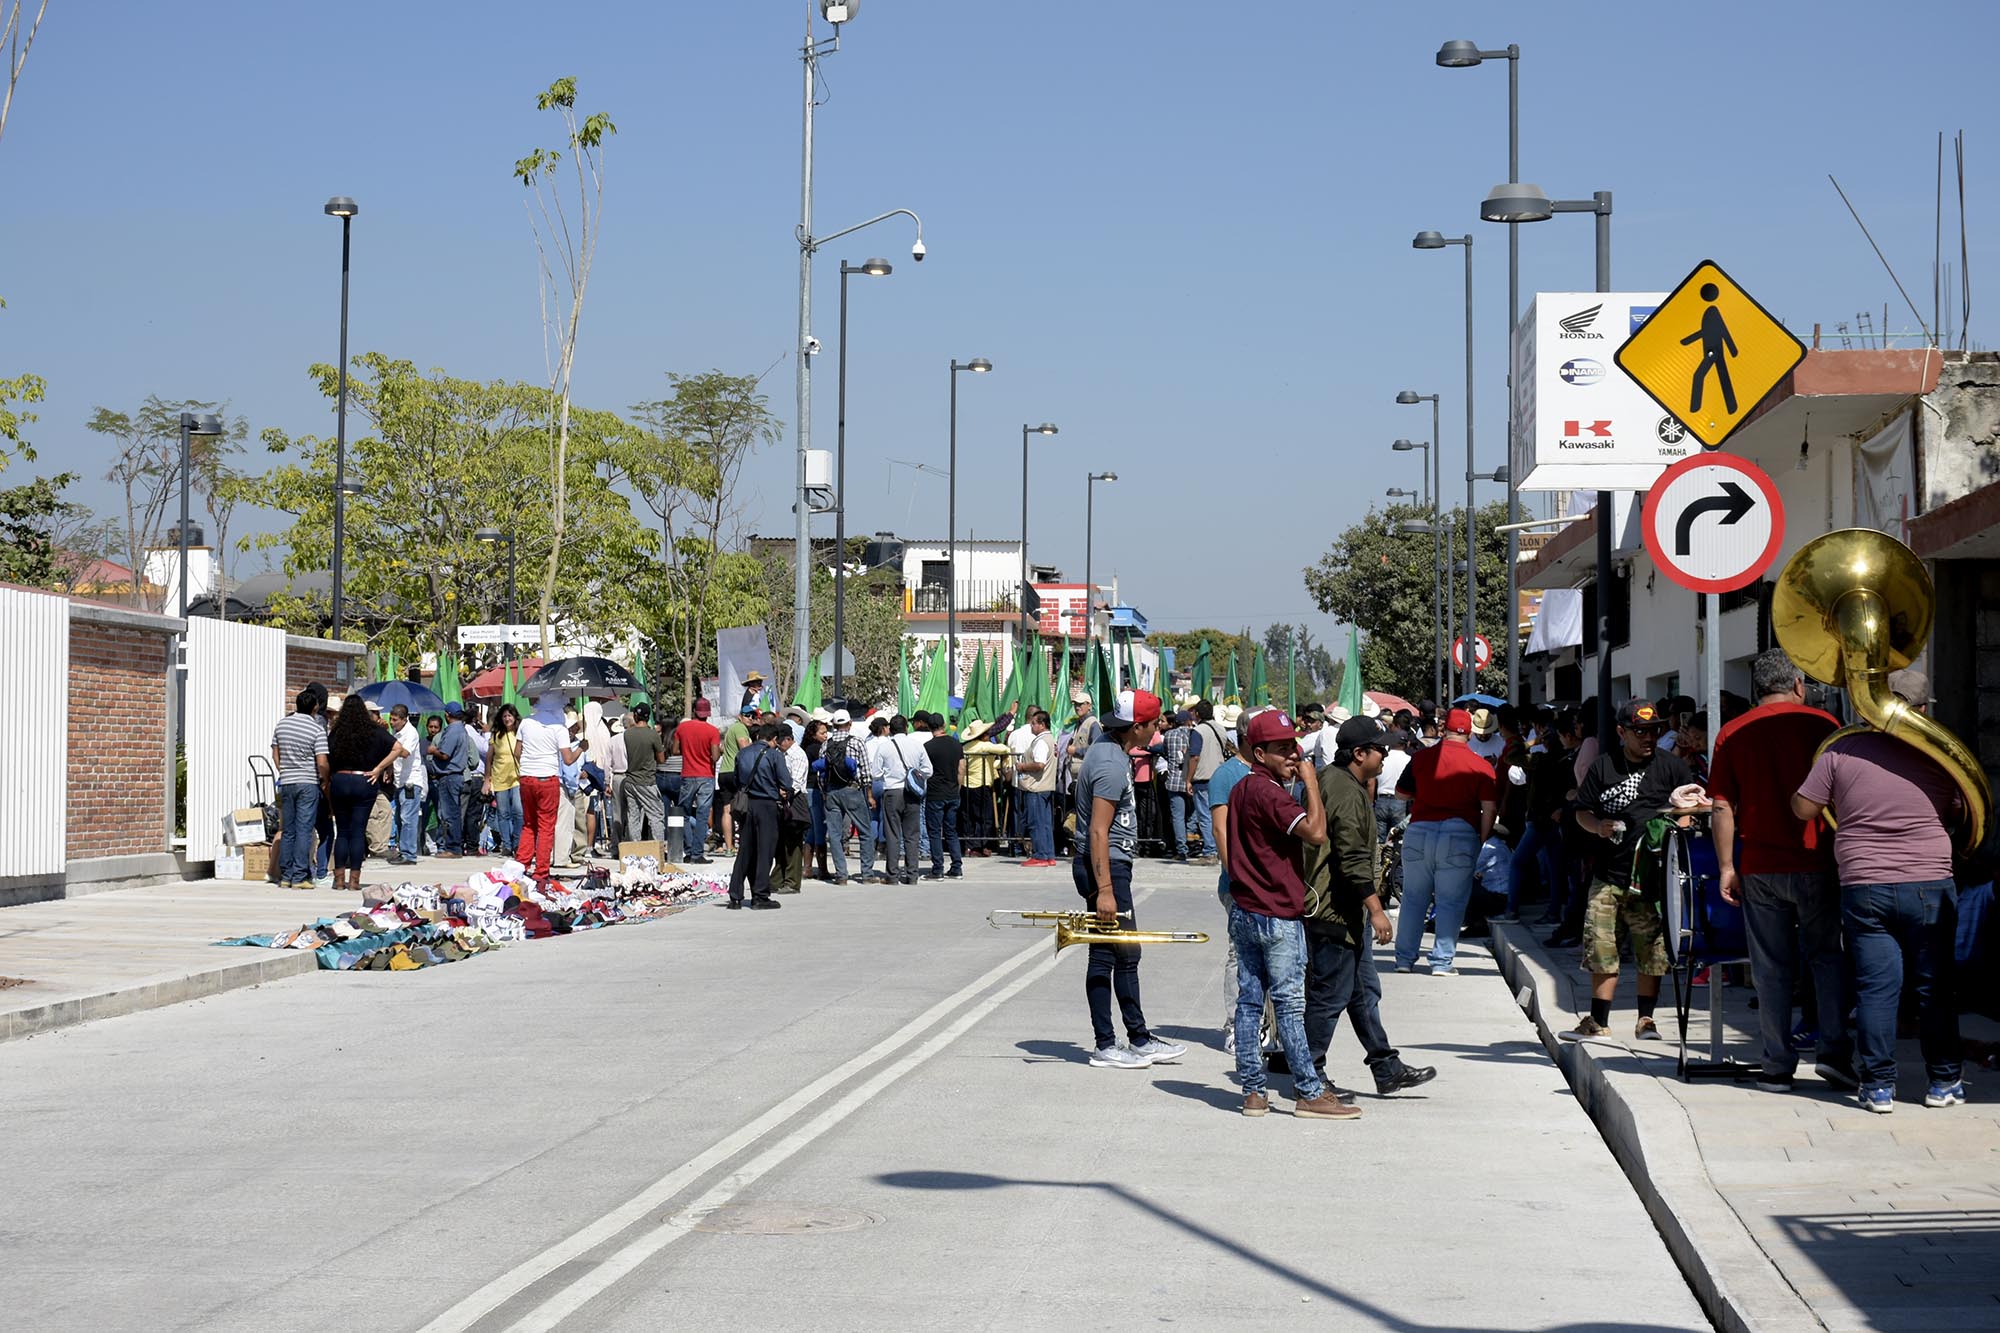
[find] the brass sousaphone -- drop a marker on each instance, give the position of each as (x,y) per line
(1851,607)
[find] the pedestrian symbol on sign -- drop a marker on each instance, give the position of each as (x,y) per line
(1714,337)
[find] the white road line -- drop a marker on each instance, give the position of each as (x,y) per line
(518,1279)
(572,1298)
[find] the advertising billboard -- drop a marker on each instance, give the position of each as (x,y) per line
(1581,423)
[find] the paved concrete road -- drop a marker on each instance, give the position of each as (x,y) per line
(866,1111)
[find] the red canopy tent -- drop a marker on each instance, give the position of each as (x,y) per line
(492,682)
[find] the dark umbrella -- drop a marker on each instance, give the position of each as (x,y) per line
(386,694)
(592,677)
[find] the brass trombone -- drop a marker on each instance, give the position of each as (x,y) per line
(1084,928)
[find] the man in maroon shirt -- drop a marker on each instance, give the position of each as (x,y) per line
(1780,869)
(1268,830)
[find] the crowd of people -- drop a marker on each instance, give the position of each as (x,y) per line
(1457,816)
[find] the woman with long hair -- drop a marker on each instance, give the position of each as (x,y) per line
(503,778)
(357,753)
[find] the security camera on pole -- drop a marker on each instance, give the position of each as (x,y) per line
(836,12)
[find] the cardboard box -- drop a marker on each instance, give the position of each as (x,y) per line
(229,865)
(652,849)
(241,828)
(257,863)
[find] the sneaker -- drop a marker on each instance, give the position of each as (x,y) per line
(1444,971)
(1256,1104)
(1160,1052)
(1405,967)
(1774,1082)
(1326,1106)
(1586,1029)
(1946,1094)
(930,875)
(956,872)
(1880,1100)
(1119,1057)
(1409,1076)
(1229,1041)
(735,904)
(1839,1073)
(323,882)
(1646,1030)
(839,879)
(1503,919)
(1562,940)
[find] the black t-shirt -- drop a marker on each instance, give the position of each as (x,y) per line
(357,752)
(1617,788)
(945,753)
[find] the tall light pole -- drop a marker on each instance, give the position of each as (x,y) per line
(1461,55)
(1046,428)
(1089,523)
(494,536)
(1430,240)
(205,424)
(1515,204)
(1434,484)
(1437,579)
(836,12)
(978,365)
(340,206)
(874,268)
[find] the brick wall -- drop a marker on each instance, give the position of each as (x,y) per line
(304,665)
(118,703)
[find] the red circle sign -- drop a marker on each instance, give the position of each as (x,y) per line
(1713,522)
(1482,652)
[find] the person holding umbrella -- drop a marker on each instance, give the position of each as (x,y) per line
(546,746)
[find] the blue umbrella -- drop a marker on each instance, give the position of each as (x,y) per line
(1483,700)
(386,694)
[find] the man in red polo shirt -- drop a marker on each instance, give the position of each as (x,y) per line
(1453,796)
(1268,831)
(1780,868)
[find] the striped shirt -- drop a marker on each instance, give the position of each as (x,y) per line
(298,739)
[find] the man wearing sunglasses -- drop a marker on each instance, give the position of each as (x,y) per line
(1627,785)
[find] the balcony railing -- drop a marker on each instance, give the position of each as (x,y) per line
(975,596)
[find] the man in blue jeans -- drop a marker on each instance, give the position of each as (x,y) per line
(850,795)
(1268,834)
(446,759)
(412,786)
(298,752)
(1896,807)
(1452,795)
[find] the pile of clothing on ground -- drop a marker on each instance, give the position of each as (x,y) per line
(419,925)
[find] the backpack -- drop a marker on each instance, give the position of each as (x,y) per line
(839,762)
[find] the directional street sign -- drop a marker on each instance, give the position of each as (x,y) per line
(1713,522)
(1710,354)
(1482,652)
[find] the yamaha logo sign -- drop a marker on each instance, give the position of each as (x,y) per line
(1582,370)
(1670,431)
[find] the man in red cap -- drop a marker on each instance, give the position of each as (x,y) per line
(1268,834)
(1103,873)
(1453,797)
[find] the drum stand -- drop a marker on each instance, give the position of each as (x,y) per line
(1718,1064)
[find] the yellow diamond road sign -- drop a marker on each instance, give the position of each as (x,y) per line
(1709,354)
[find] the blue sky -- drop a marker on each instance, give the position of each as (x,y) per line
(1181,232)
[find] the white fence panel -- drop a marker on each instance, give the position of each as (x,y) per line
(235,696)
(34,680)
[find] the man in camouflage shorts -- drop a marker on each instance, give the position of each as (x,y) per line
(1629,784)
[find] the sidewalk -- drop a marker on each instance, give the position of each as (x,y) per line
(78,959)
(1786,1210)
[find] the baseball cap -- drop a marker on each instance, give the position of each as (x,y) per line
(454,709)
(1273,724)
(701,708)
(1458,719)
(372,706)
(1640,713)
(1359,731)
(1311,711)
(840,718)
(1182,716)
(1913,687)
(1135,708)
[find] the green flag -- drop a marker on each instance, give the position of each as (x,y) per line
(906,697)
(935,697)
(1038,676)
(1062,685)
(1260,689)
(1232,693)
(808,696)
(975,685)
(1104,683)
(639,674)
(1350,679)
(1200,682)
(1010,694)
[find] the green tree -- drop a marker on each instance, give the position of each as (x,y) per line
(565,227)
(685,471)
(1378,577)
(45,540)
(147,467)
(441,458)
(873,628)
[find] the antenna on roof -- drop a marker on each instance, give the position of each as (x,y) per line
(1964,262)
(1886,267)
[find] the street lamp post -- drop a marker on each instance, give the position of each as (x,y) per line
(1046,428)
(979,365)
(493,536)
(340,206)
(1514,204)
(1461,55)
(1089,522)
(874,268)
(1430,240)
(1434,486)
(205,424)
(836,12)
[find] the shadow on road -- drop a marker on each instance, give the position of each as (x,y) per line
(1041,1052)
(969,1180)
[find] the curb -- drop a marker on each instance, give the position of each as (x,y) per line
(154,994)
(1738,1286)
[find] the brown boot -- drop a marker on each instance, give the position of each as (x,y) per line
(1256,1103)
(1326,1106)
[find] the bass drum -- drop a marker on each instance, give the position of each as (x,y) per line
(1700,927)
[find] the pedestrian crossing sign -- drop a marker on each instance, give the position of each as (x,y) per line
(1709,354)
